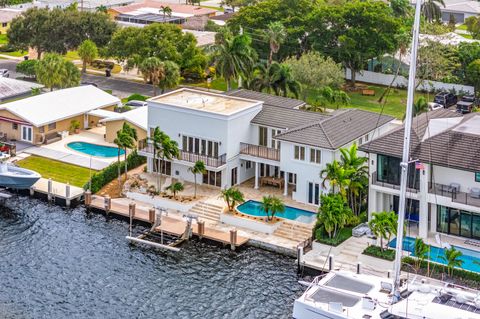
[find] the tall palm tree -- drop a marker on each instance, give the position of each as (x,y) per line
(198,168)
(272,205)
(153,71)
(121,140)
(156,140)
(101,9)
(338,176)
(233,56)
(286,82)
(275,77)
(358,179)
(129,142)
(169,151)
(452,258)
(171,78)
(420,250)
(231,196)
(275,35)
(383,225)
(419,107)
(166,11)
(431,10)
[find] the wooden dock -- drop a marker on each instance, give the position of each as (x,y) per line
(55,190)
(169,225)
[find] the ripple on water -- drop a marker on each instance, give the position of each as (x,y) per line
(57,263)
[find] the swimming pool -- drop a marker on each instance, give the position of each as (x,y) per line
(254,208)
(94,149)
(470,257)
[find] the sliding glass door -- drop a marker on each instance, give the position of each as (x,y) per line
(458,222)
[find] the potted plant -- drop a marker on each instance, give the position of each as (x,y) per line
(75,126)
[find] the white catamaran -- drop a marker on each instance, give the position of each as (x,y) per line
(342,294)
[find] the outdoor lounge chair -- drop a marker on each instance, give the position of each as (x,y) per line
(475,192)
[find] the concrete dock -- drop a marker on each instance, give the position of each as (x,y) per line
(55,190)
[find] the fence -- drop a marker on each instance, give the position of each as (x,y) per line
(402,82)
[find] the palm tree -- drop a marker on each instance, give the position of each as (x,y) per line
(153,71)
(275,35)
(197,168)
(338,176)
(275,77)
(333,213)
(169,151)
(88,52)
(121,140)
(431,10)
(129,142)
(171,78)
(175,188)
(166,10)
(50,71)
(419,107)
(358,179)
(452,258)
(102,9)
(232,56)
(276,206)
(286,82)
(70,76)
(383,225)
(156,140)
(420,250)
(231,196)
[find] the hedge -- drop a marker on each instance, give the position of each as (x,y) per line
(110,172)
(137,97)
(439,271)
(375,251)
(322,236)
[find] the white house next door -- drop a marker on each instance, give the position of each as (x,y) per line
(27,133)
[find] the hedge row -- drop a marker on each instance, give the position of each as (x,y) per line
(110,172)
(375,251)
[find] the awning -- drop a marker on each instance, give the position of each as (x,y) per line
(7,119)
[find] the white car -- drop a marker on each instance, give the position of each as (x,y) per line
(432,106)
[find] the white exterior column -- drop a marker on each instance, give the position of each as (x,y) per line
(372,202)
(285,187)
(423,204)
(433,217)
(257,172)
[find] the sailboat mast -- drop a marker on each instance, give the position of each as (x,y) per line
(406,149)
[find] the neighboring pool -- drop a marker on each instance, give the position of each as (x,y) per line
(94,149)
(254,208)
(469,257)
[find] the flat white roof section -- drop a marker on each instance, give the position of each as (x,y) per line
(205,101)
(471,126)
(138,116)
(437,126)
(61,104)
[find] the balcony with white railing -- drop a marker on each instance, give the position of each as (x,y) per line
(260,151)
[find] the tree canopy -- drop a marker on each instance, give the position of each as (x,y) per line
(163,41)
(373,34)
(59,30)
(54,71)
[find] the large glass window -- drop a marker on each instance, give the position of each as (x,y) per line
(458,222)
(412,211)
(389,171)
(262,136)
(477,176)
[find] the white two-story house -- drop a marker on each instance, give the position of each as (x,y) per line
(444,173)
(249,136)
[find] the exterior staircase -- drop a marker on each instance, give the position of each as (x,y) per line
(206,211)
(294,231)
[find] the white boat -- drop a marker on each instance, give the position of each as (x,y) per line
(16,177)
(340,295)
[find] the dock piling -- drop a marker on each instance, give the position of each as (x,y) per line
(233,238)
(330,262)
(299,258)
(107,204)
(151,215)
(359,266)
(67,195)
(131,214)
(49,190)
(88,198)
(201,228)
(32,191)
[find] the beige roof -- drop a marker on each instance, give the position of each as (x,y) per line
(205,101)
(7,15)
(177,9)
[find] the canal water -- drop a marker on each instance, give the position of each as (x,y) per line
(58,263)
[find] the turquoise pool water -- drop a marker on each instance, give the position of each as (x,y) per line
(254,208)
(469,258)
(94,149)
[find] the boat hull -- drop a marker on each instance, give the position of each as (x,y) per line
(17,178)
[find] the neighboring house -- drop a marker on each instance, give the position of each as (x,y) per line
(241,139)
(88,5)
(6,16)
(137,118)
(44,117)
(222,19)
(444,173)
(143,13)
(459,9)
(14,89)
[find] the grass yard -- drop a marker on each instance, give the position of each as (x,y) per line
(57,171)
(3,39)
(462,27)
(15,53)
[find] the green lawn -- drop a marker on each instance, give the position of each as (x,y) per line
(57,171)
(3,39)
(462,27)
(467,36)
(72,55)
(15,53)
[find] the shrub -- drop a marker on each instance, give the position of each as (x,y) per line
(101,64)
(137,97)
(375,251)
(110,172)
(27,67)
(322,237)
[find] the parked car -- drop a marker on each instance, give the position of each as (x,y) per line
(466,104)
(136,103)
(4,73)
(432,106)
(89,83)
(446,99)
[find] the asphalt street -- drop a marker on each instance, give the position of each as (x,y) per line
(120,88)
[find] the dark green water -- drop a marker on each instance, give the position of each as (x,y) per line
(58,263)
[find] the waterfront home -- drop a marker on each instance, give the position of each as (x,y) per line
(241,139)
(14,89)
(6,17)
(136,118)
(44,118)
(444,173)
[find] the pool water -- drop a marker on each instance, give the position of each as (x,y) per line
(470,257)
(94,149)
(254,208)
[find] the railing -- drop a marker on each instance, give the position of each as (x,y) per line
(260,151)
(410,189)
(454,194)
(145,147)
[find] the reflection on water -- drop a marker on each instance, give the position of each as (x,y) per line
(57,263)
